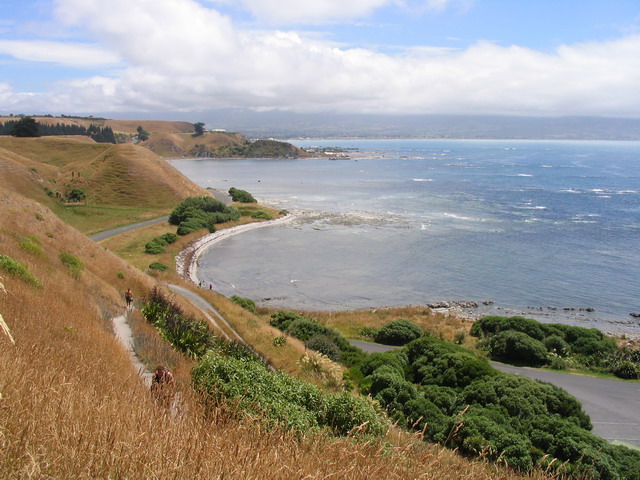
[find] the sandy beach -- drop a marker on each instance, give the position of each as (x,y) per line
(187,259)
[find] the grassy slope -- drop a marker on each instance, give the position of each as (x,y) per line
(66,381)
(179,144)
(123,183)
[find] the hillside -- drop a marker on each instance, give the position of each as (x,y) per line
(76,408)
(218,144)
(122,183)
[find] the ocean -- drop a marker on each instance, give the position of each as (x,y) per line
(545,229)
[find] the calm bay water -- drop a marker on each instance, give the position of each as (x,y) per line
(526,224)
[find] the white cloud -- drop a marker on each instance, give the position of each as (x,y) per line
(311,12)
(182,56)
(75,55)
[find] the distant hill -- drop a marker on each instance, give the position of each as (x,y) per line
(296,125)
(218,144)
(126,177)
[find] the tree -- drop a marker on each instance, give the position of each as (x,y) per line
(76,195)
(199,128)
(25,127)
(142,133)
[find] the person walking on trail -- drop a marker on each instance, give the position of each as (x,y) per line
(162,386)
(128,296)
(162,376)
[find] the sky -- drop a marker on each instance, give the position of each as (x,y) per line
(497,57)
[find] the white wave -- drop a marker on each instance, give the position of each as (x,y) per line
(462,217)
(423,180)
(532,207)
(525,175)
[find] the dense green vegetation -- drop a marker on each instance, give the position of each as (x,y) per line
(524,341)
(242,196)
(398,332)
(317,337)
(231,371)
(281,399)
(185,333)
(157,245)
(245,303)
(195,213)
(459,400)
(29,127)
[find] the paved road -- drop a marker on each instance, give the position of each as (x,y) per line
(614,406)
(117,231)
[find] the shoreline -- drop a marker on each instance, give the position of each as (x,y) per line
(187,258)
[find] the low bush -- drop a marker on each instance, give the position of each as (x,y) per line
(195,213)
(280,399)
(160,267)
(282,319)
(325,345)
(241,196)
(184,332)
(154,247)
(516,347)
(31,244)
(398,332)
(73,264)
(260,215)
(17,269)
(245,303)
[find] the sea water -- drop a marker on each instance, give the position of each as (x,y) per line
(548,229)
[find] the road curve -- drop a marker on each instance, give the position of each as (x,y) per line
(612,405)
(97,237)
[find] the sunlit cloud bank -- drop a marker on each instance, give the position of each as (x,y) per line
(189,56)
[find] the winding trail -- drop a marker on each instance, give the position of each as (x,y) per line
(124,335)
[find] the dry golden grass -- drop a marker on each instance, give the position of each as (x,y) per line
(123,183)
(171,144)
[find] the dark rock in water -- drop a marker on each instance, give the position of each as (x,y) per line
(487,302)
(439,305)
(635,315)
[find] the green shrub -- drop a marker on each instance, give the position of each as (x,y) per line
(120,274)
(282,319)
(160,267)
(368,332)
(169,238)
(280,399)
(517,347)
(17,269)
(261,215)
(184,332)
(324,344)
(195,213)
(305,328)
(154,247)
(245,303)
(398,332)
(242,196)
(626,369)
(459,336)
(280,341)
(73,264)
(492,325)
(556,344)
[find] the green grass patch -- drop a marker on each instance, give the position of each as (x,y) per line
(73,264)
(17,269)
(31,243)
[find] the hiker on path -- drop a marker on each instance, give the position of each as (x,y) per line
(162,386)
(128,296)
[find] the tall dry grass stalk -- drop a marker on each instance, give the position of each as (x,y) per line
(71,405)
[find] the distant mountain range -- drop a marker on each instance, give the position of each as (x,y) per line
(292,125)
